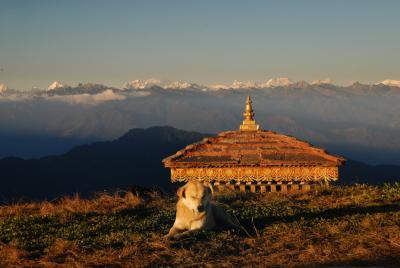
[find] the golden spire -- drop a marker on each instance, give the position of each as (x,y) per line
(249,123)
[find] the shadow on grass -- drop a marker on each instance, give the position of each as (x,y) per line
(331,213)
(378,261)
(261,222)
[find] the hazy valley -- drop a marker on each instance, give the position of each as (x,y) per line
(358,121)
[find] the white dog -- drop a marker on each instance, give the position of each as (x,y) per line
(195,211)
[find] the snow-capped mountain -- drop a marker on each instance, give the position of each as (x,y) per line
(273,82)
(143,84)
(246,84)
(139,84)
(276,82)
(322,81)
(181,85)
(389,82)
(218,86)
(56,85)
(235,85)
(3,88)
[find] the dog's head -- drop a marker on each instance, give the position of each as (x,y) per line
(195,195)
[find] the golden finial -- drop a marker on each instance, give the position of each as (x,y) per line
(249,123)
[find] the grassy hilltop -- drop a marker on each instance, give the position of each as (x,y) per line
(346,225)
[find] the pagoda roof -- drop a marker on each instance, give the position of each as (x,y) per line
(251,148)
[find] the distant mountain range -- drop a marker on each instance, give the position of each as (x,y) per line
(133,159)
(166,84)
(362,120)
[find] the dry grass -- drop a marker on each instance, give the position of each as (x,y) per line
(102,203)
(339,226)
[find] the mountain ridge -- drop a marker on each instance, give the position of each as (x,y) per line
(138,84)
(132,159)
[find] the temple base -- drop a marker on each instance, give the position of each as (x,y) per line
(286,187)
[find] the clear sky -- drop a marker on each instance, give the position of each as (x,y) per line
(203,41)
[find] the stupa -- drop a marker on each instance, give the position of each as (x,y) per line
(252,159)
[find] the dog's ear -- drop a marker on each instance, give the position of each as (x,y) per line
(181,192)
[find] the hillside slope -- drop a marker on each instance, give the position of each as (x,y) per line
(133,159)
(340,226)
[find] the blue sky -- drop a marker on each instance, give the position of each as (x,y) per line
(204,41)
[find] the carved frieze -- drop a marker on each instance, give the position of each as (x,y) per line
(250,174)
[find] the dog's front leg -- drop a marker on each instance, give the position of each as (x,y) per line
(173,232)
(195,227)
(187,233)
(178,227)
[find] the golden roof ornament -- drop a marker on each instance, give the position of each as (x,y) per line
(249,124)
